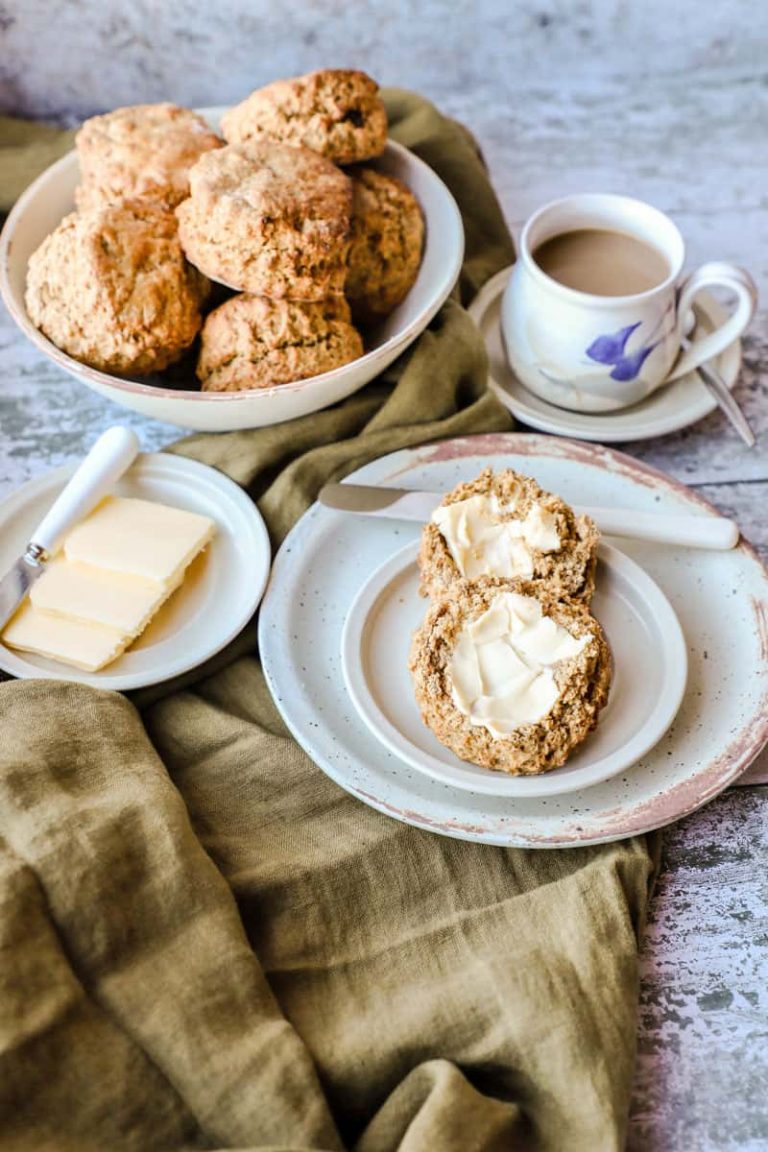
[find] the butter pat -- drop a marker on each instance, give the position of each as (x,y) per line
(75,642)
(139,538)
(116,569)
(99,596)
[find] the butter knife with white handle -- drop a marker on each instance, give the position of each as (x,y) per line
(712,532)
(112,454)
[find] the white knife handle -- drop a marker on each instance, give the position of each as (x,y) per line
(106,462)
(714,532)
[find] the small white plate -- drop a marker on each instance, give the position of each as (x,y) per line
(219,596)
(667,410)
(650,666)
(720,599)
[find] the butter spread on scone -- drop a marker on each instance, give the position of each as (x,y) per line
(486,537)
(501,669)
(507,676)
(503,524)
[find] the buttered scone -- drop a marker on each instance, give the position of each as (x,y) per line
(509,678)
(269,219)
(140,153)
(505,525)
(110,287)
(336,112)
(387,242)
(255,342)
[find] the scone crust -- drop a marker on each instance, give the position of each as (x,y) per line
(386,246)
(254,342)
(336,112)
(568,573)
(531,749)
(143,152)
(111,287)
(269,219)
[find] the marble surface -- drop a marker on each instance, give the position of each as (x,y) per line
(665,102)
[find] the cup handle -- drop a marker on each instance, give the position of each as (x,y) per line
(714,275)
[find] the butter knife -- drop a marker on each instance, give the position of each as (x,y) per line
(112,454)
(714,532)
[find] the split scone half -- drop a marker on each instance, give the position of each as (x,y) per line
(508,677)
(503,524)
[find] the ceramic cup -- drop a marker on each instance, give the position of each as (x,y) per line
(600,353)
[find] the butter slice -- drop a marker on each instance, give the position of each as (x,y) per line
(76,642)
(116,569)
(139,538)
(99,596)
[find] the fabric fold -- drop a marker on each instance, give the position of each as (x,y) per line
(208,945)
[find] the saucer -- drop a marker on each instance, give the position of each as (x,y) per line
(669,408)
(650,668)
(221,590)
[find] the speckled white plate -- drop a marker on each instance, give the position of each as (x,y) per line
(649,673)
(720,599)
(220,593)
(675,406)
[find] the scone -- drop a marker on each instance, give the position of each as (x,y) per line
(140,153)
(336,112)
(269,219)
(254,342)
(505,525)
(509,678)
(387,241)
(110,287)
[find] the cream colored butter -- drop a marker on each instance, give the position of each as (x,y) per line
(113,599)
(76,642)
(483,543)
(116,569)
(139,538)
(501,669)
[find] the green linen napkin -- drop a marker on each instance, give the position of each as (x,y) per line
(207,944)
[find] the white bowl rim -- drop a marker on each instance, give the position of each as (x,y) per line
(402,339)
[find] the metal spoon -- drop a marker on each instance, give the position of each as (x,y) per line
(714,383)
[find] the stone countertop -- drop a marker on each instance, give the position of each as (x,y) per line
(687,140)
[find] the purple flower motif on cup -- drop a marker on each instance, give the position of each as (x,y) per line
(611,349)
(628,367)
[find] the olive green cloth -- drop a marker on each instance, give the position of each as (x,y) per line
(207,944)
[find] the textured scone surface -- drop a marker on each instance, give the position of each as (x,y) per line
(386,246)
(254,342)
(582,682)
(143,152)
(111,287)
(269,219)
(567,571)
(336,112)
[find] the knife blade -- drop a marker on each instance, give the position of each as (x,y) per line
(108,459)
(714,532)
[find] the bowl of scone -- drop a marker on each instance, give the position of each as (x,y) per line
(233,268)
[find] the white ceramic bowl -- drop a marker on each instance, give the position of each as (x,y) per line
(51,197)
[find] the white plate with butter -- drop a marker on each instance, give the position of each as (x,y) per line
(215,600)
(647,684)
